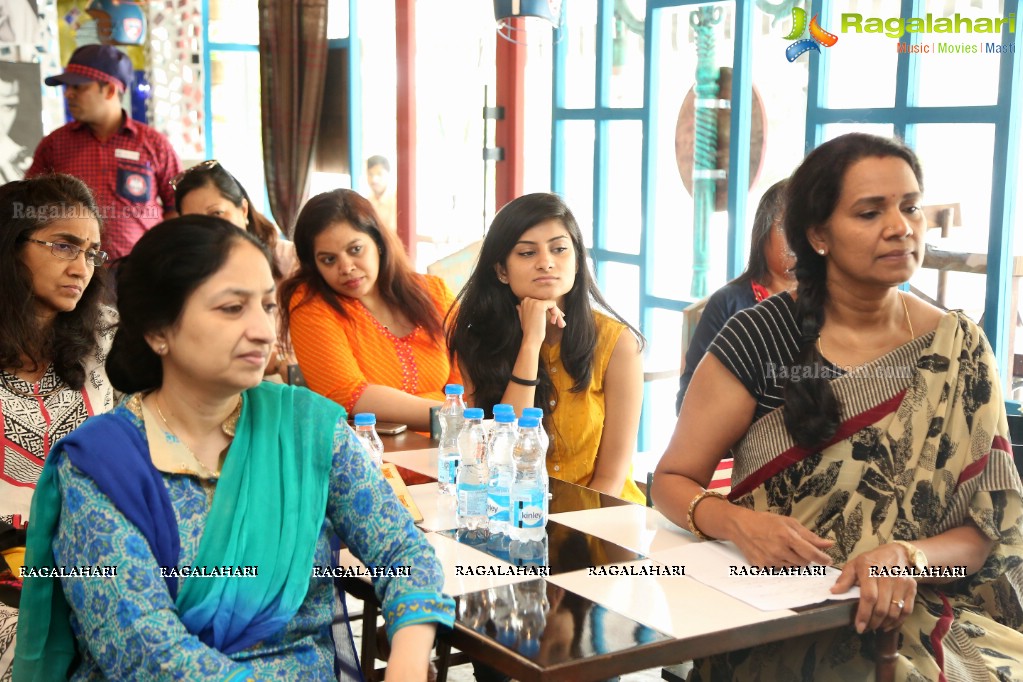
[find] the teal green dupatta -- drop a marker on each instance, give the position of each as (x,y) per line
(267,512)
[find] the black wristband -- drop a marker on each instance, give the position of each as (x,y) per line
(524,382)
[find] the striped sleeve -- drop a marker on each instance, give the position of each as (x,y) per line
(755,343)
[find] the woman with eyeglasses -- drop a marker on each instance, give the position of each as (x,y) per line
(54,336)
(208,188)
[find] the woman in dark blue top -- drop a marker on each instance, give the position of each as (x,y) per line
(768,272)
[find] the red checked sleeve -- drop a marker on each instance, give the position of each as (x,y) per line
(170,165)
(42,160)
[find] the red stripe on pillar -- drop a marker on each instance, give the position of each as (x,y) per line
(510,132)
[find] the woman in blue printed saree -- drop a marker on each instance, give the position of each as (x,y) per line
(204,468)
(869,433)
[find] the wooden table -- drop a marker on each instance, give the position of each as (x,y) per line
(674,618)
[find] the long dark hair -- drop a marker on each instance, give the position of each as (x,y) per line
(214,175)
(811,407)
(768,210)
(166,266)
(397,282)
(26,206)
(483,327)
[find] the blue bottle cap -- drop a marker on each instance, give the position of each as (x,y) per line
(504,416)
(473,413)
(529,647)
(533,412)
(454,389)
(528,422)
(506,637)
(503,407)
(365,419)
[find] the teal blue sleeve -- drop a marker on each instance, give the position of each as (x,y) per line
(368,517)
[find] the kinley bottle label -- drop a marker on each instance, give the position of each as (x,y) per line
(528,509)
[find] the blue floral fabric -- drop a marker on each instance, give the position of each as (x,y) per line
(127,627)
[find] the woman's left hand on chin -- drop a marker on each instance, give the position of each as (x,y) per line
(885,602)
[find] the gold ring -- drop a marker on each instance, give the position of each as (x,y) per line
(901,603)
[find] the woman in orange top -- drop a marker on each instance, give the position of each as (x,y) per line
(367,329)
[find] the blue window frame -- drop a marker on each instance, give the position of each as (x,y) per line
(574,123)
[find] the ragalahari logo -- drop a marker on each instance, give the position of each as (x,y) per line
(818,36)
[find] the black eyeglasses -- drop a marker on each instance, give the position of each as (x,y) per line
(205,165)
(66,251)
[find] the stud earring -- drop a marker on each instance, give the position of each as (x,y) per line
(162,349)
(820,251)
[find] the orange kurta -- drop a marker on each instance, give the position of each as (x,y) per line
(341,355)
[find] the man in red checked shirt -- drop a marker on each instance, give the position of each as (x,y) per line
(126,164)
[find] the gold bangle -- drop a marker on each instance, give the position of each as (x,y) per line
(692,510)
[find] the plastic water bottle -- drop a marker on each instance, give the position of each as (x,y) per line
(504,609)
(473,474)
(366,432)
(545,442)
(528,494)
(499,457)
(504,407)
(531,599)
(528,552)
(451,417)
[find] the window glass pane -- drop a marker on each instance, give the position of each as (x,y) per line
(454,71)
(234,21)
(833,130)
(578,163)
(955,78)
(379,90)
(663,352)
(579,33)
(856,54)
(673,150)
(237,128)
(627,54)
(781,87)
(538,112)
(337,19)
(620,285)
(624,171)
(1015,311)
(945,151)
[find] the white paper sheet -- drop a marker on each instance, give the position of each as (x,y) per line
(712,564)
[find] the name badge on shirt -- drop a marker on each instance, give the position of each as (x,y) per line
(129,154)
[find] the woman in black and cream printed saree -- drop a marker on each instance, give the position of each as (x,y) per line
(869,433)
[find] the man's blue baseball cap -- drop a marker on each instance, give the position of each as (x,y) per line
(103,63)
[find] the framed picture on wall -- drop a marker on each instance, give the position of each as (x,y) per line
(21,119)
(19,22)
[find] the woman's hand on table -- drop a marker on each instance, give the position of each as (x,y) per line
(767,539)
(885,602)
